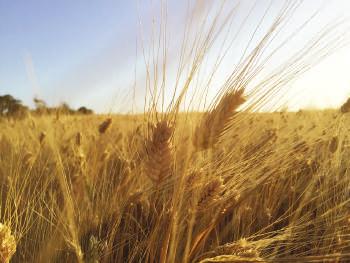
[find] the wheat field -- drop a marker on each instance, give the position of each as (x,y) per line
(97,189)
(235,179)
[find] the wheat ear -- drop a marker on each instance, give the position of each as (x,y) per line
(215,122)
(7,244)
(159,152)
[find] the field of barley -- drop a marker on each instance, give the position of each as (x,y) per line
(201,163)
(270,187)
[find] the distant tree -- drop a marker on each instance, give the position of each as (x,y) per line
(40,106)
(11,107)
(65,108)
(84,110)
(39,103)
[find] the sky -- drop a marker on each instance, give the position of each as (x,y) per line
(87,52)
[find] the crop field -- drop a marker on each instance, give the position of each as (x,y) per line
(273,188)
(208,151)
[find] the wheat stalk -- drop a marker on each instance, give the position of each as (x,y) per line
(211,192)
(103,127)
(215,122)
(159,152)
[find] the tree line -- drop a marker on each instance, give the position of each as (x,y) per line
(14,108)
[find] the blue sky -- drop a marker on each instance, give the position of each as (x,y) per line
(45,43)
(83,52)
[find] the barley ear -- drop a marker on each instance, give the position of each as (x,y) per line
(215,122)
(103,127)
(7,244)
(159,152)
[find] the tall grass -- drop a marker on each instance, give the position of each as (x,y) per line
(230,184)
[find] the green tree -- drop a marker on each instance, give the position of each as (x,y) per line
(64,108)
(39,103)
(84,110)
(11,107)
